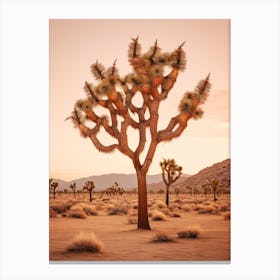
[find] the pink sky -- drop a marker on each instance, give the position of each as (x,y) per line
(76,44)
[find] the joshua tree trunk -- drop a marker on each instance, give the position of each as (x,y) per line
(54,195)
(143,220)
(167,195)
(90,196)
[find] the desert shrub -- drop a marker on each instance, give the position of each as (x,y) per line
(208,210)
(162,237)
(158,216)
(132,220)
(135,206)
(52,213)
(61,207)
(160,204)
(186,208)
(226,216)
(85,242)
(90,210)
(206,203)
(117,211)
(174,206)
(192,231)
(179,201)
(77,214)
(175,214)
(165,211)
(224,207)
(76,208)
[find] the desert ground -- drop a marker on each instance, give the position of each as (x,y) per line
(110,223)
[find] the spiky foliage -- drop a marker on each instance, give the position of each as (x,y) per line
(89,187)
(214,184)
(153,75)
(170,172)
(73,188)
(115,189)
(206,188)
(53,186)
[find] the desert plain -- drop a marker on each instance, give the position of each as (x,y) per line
(111,224)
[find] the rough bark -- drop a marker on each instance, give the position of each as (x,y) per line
(143,218)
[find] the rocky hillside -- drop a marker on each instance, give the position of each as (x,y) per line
(220,171)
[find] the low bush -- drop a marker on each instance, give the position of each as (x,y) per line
(162,237)
(192,231)
(85,242)
(158,216)
(77,214)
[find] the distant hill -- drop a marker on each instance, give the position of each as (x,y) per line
(220,171)
(127,181)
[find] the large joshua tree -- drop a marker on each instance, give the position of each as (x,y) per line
(170,172)
(153,76)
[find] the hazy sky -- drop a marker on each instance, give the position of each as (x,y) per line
(76,44)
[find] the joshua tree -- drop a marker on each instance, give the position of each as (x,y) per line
(170,172)
(65,190)
(206,188)
(54,185)
(154,75)
(73,188)
(214,186)
(177,191)
(89,186)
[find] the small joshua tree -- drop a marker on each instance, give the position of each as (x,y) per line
(214,186)
(54,185)
(177,191)
(154,75)
(206,189)
(73,188)
(89,186)
(170,172)
(65,191)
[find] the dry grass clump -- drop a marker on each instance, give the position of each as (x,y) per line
(192,231)
(61,207)
(158,216)
(162,237)
(52,213)
(132,220)
(186,208)
(225,207)
(77,214)
(208,210)
(90,210)
(76,208)
(160,204)
(179,201)
(117,211)
(175,214)
(85,242)
(227,216)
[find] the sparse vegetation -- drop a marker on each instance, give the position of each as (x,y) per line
(85,242)
(158,216)
(73,188)
(192,231)
(162,237)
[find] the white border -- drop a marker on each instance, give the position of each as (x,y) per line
(254,131)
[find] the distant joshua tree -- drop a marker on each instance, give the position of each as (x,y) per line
(89,186)
(54,185)
(170,172)
(65,190)
(115,189)
(73,188)
(214,186)
(206,188)
(177,191)
(154,75)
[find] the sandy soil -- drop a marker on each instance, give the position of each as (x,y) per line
(123,242)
